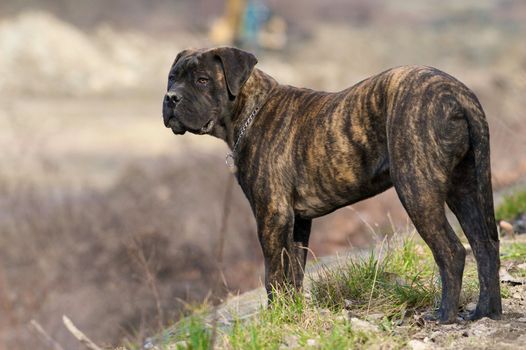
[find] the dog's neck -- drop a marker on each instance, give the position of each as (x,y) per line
(253,95)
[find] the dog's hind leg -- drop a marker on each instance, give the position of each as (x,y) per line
(426,209)
(464,201)
(420,169)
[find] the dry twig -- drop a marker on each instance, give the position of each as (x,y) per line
(222,236)
(45,337)
(79,335)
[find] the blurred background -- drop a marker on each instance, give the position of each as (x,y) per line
(109,218)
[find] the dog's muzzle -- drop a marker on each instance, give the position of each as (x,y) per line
(171,99)
(171,122)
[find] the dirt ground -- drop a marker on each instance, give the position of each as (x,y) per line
(507,333)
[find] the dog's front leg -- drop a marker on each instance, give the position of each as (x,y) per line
(275,232)
(301,236)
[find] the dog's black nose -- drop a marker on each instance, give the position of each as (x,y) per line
(172,98)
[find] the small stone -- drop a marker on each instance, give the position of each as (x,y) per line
(417,345)
(290,342)
(522,266)
(363,325)
(516,296)
(311,342)
(348,304)
(522,320)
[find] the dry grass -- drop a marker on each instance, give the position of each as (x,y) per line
(129,252)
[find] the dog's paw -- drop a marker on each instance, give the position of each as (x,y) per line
(478,314)
(441,317)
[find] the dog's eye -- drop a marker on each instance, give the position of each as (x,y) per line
(202,81)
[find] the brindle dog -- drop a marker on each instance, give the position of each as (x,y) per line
(307,153)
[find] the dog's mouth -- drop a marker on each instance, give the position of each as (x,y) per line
(179,129)
(207,127)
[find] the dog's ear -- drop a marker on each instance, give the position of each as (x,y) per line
(237,66)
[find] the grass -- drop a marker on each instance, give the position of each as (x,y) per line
(293,322)
(389,286)
(195,333)
(369,302)
(512,206)
(403,280)
(515,251)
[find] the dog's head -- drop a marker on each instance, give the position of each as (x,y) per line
(202,88)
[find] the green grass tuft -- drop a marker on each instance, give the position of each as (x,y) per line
(514,251)
(403,280)
(194,334)
(511,206)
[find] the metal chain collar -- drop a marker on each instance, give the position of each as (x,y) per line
(229,160)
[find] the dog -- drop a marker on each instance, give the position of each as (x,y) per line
(300,154)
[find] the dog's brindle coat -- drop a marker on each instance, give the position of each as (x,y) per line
(308,153)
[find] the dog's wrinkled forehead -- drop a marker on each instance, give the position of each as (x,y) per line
(185,63)
(190,61)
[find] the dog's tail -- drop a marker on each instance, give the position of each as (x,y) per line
(480,146)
